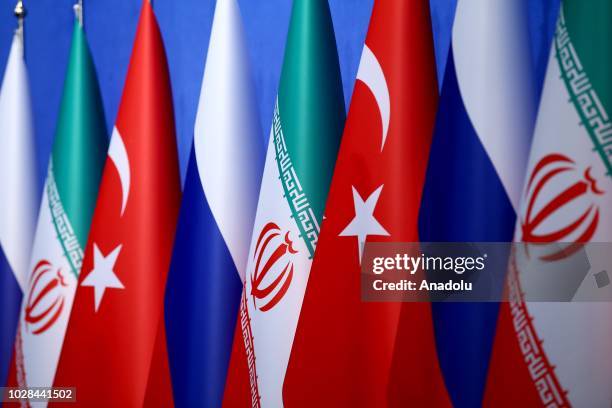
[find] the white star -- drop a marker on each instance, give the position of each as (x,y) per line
(364,223)
(102,275)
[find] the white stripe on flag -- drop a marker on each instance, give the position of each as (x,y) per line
(496,83)
(17,165)
(227,141)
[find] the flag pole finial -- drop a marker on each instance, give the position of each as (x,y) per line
(20,12)
(78,11)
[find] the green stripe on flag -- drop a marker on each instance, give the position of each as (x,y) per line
(81,140)
(310,108)
(589,24)
(584,60)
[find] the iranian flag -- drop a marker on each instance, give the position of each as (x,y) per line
(557,354)
(114,350)
(68,201)
(307,125)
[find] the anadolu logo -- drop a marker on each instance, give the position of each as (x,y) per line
(46,298)
(560,205)
(273,270)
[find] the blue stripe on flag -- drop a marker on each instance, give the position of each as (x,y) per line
(202,299)
(463,200)
(10,302)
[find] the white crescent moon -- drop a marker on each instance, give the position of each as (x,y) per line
(118,154)
(371,74)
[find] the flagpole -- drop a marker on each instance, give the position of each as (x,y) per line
(78,11)
(20,12)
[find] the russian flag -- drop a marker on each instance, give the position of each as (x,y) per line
(216,219)
(18,192)
(476,169)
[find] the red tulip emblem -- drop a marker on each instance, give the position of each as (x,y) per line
(273,270)
(46,297)
(571,207)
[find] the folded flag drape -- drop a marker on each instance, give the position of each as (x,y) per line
(66,208)
(216,219)
(476,170)
(547,353)
(306,129)
(116,333)
(344,350)
(18,195)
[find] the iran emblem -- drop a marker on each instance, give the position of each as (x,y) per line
(560,190)
(273,271)
(46,297)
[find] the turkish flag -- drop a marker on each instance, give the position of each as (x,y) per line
(115,343)
(344,348)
